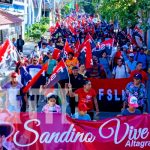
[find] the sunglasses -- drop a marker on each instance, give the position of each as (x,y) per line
(52,100)
(136,79)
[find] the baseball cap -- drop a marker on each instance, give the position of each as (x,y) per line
(131,55)
(51,95)
(82,107)
(74,68)
(133,101)
(138,76)
(14,75)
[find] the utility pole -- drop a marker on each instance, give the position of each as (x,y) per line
(44,9)
(39,11)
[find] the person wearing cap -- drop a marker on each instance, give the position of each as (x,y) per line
(51,105)
(139,70)
(71,62)
(86,95)
(82,112)
(132,107)
(137,89)
(131,63)
(13,89)
(51,64)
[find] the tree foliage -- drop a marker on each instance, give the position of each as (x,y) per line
(126,11)
(65,10)
(36,30)
(88,7)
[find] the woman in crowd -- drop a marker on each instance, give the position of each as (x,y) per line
(83,71)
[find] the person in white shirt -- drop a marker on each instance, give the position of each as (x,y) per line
(13,89)
(44,48)
(120,71)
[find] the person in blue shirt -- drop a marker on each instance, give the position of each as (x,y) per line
(132,107)
(50,46)
(51,64)
(137,89)
(141,57)
(131,63)
(82,112)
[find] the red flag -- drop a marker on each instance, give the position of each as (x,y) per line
(57,25)
(72,30)
(131,39)
(4,49)
(88,37)
(77,45)
(67,48)
(52,29)
(56,53)
(77,7)
(88,59)
(60,73)
(35,78)
(108,43)
(138,30)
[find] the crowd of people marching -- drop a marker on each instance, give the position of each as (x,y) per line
(90,49)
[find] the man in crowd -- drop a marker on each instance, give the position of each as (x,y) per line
(76,81)
(33,69)
(141,57)
(120,71)
(20,43)
(137,89)
(139,71)
(131,63)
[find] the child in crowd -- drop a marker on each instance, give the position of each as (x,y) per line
(132,109)
(82,112)
(51,106)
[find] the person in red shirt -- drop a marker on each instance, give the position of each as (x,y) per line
(139,71)
(86,95)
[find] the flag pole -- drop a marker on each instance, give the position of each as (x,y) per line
(66,69)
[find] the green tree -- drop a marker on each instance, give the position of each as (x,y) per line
(88,6)
(36,30)
(127,12)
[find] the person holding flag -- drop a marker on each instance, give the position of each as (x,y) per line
(87,95)
(33,70)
